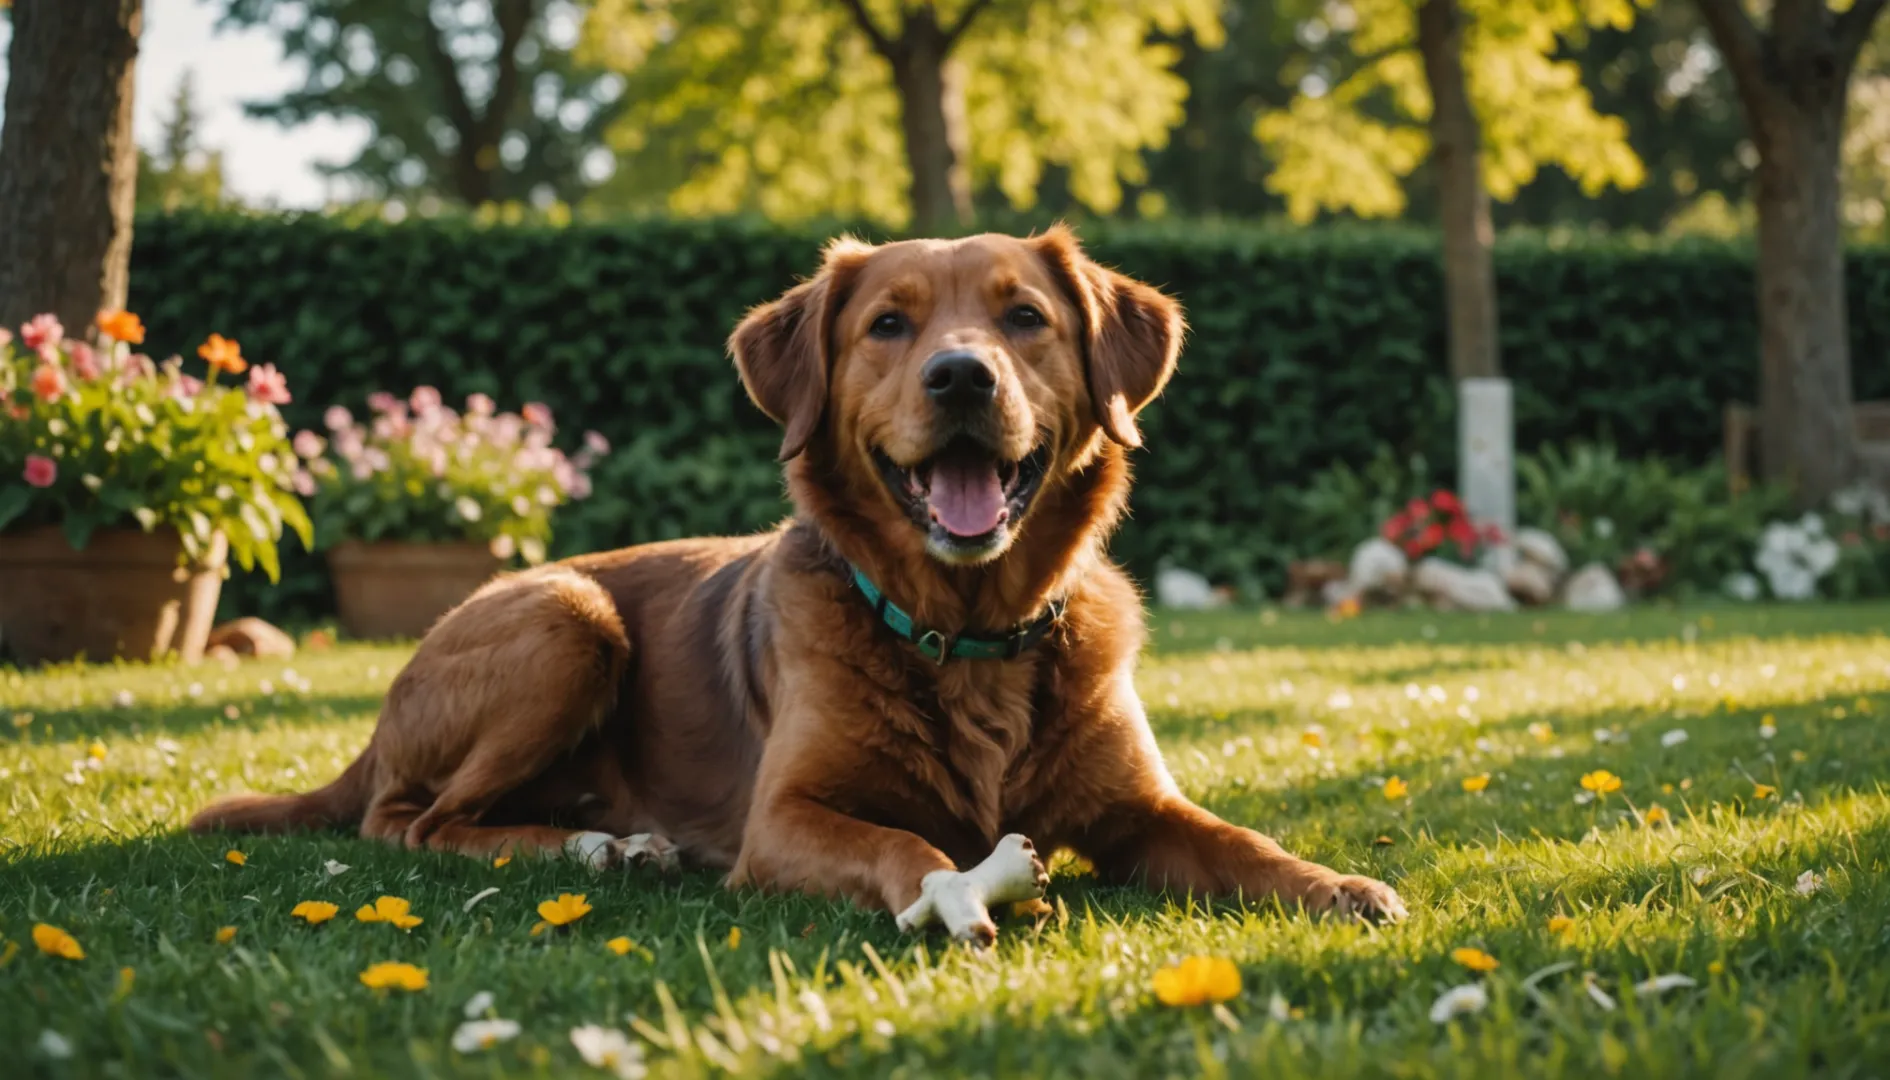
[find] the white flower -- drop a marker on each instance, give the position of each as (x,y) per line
(1766,731)
(1660,984)
(1741,586)
(1674,738)
(1604,527)
(608,1048)
(502,546)
(54,1045)
(1583,798)
(477,1005)
(1340,699)
(1602,734)
(1458,1001)
(476,1035)
(1809,882)
(1278,1009)
(123,699)
(335,869)
(467,508)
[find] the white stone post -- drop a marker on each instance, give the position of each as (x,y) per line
(1486,457)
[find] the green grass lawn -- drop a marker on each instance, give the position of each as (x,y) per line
(1787,983)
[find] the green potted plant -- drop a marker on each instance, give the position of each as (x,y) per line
(419,505)
(125,486)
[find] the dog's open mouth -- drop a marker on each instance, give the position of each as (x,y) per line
(968,499)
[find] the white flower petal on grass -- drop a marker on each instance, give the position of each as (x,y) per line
(475,1035)
(478,896)
(1583,798)
(1674,738)
(477,1005)
(1660,984)
(123,699)
(609,1049)
(335,869)
(54,1045)
(1809,882)
(1766,731)
(1458,1001)
(1595,993)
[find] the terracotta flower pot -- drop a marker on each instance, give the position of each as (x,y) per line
(125,596)
(398,589)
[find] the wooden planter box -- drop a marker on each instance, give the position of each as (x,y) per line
(398,589)
(126,596)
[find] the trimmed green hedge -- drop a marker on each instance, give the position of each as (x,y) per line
(1307,348)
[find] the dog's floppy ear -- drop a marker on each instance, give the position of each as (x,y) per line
(783,348)
(1132,334)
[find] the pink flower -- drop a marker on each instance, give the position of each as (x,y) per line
(303,483)
(381,401)
(186,386)
(268,385)
(479,405)
(41,471)
(48,382)
(596,443)
(42,333)
(85,361)
(337,417)
(6,337)
(308,445)
(537,414)
(424,399)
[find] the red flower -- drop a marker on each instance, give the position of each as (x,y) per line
(1432,536)
(40,471)
(1397,526)
(1418,509)
(85,361)
(48,382)
(1446,502)
(1492,533)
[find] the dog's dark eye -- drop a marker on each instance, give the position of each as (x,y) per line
(890,325)
(1025,317)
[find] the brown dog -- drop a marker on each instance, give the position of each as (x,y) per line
(957,416)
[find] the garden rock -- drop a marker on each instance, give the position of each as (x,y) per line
(1594,588)
(1530,582)
(250,636)
(1449,586)
(1538,547)
(1377,571)
(1185,590)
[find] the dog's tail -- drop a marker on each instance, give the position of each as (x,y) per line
(340,804)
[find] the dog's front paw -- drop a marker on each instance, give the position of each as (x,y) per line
(596,850)
(653,848)
(1353,896)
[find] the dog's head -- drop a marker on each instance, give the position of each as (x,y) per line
(967,377)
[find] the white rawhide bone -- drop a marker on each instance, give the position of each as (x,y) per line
(962,901)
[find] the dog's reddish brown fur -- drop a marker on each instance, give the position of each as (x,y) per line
(739,697)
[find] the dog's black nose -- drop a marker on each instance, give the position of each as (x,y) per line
(959,380)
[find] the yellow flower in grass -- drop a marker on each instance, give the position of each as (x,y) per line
(1562,925)
(1763,791)
(1476,783)
(314,912)
(1601,782)
(96,751)
(565,910)
(126,978)
(226,935)
(1475,959)
(394,976)
(501,861)
(1313,737)
(235,858)
(1396,788)
(1656,816)
(389,909)
(734,937)
(1197,980)
(56,942)
(620,945)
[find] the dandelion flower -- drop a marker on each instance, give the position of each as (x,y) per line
(1655,816)
(56,942)
(501,861)
(225,935)
(1601,782)
(734,937)
(1763,791)
(394,976)
(1396,788)
(610,1049)
(1197,980)
(1459,1001)
(315,912)
(1562,925)
(235,858)
(565,910)
(475,1035)
(1313,737)
(389,909)
(1476,783)
(96,751)
(1475,959)
(620,945)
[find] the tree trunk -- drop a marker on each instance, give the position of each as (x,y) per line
(68,165)
(1807,434)
(1463,204)
(932,114)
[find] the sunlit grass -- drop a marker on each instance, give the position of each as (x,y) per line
(1289,723)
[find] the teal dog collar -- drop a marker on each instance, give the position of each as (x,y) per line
(940,646)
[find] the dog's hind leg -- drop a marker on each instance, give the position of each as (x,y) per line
(501,689)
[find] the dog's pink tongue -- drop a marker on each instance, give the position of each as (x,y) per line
(966,496)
